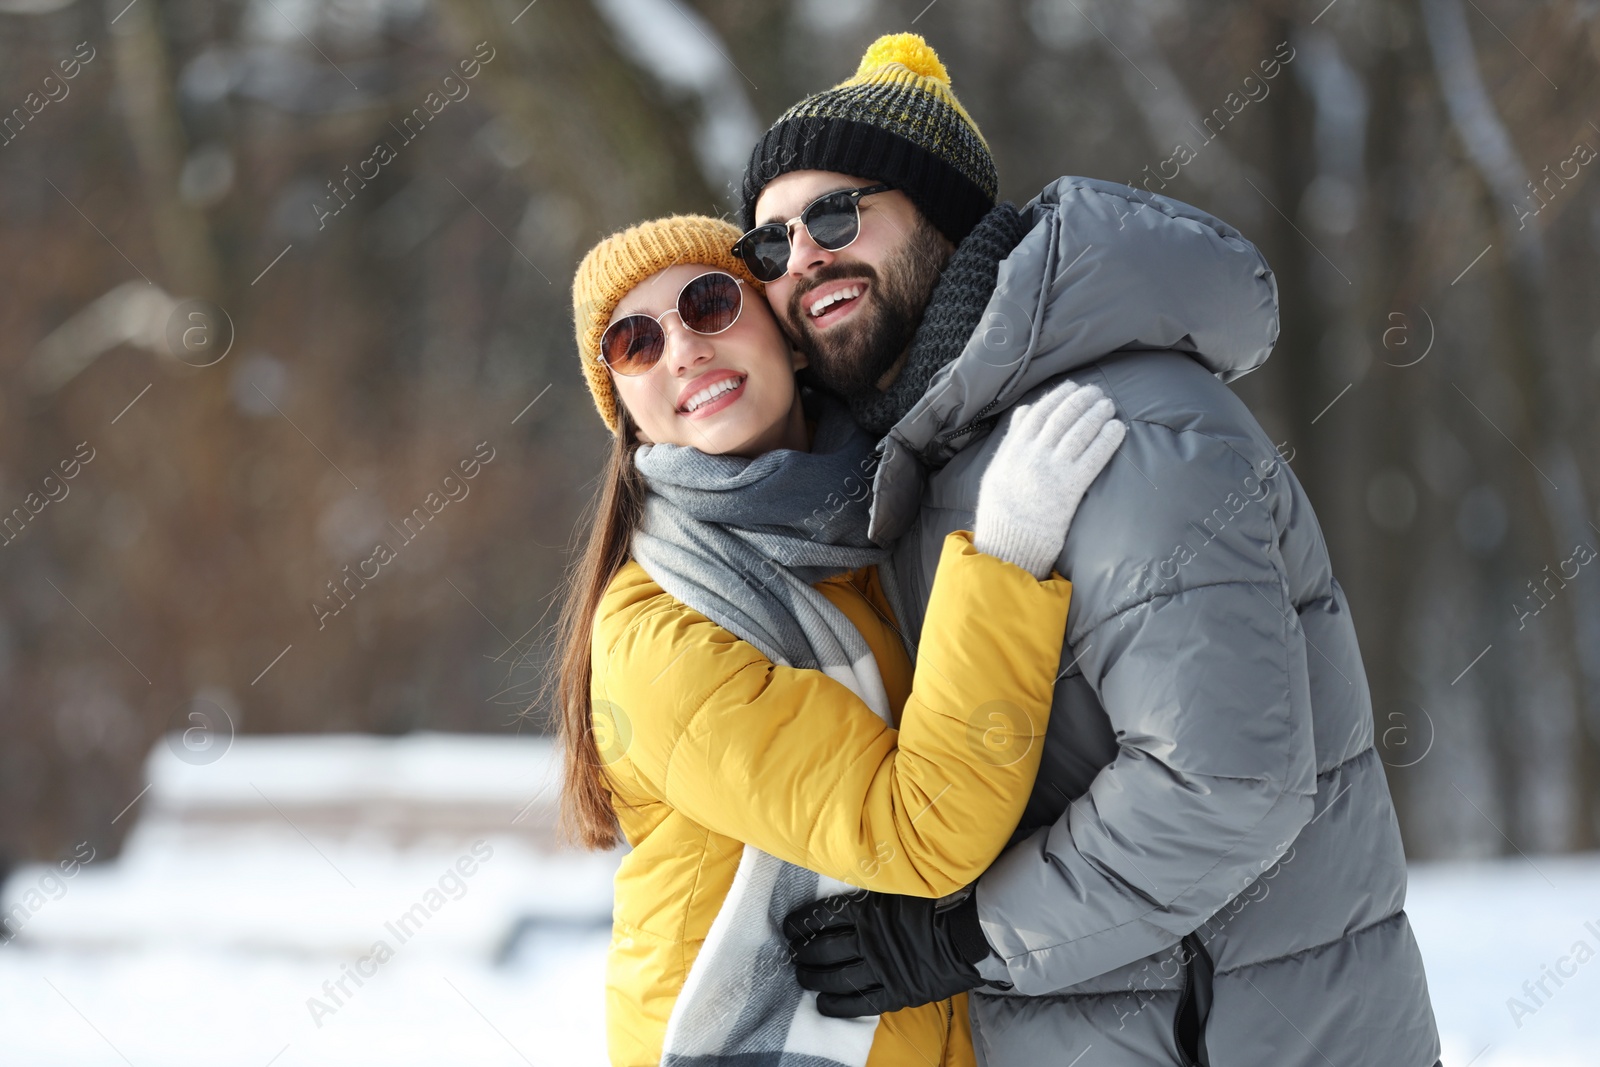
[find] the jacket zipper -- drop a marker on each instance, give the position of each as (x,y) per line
(1194,1005)
(949,1027)
(977,419)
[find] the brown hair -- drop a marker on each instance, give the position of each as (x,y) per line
(587,817)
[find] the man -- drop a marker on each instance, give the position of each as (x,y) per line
(1210,869)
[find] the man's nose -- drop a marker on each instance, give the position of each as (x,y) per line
(805,255)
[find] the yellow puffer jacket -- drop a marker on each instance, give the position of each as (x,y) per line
(708,746)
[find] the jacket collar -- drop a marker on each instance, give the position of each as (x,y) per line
(1102,267)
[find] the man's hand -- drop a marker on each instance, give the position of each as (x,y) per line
(870,953)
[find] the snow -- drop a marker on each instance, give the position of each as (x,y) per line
(343,767)
(173,1008)
(1486,928)
(256,884)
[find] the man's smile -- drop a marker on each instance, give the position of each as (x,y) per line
(831,302)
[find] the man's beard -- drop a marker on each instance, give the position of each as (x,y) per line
(851,358)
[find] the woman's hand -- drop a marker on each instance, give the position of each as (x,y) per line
(1055,447)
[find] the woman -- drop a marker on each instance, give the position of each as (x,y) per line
(731,675)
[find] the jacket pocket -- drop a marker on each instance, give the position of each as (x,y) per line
(1194,1004)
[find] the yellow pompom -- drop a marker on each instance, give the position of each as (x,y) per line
(904,49)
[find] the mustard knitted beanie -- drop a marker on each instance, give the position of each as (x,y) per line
(897,121)
(623,260)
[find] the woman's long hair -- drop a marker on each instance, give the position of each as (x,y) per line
(587,818)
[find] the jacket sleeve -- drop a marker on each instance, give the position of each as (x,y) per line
(1194,648)
(792,762)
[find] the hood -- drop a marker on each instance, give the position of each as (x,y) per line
(1104,267)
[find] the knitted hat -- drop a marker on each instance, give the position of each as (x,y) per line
(623,260)
(895,121)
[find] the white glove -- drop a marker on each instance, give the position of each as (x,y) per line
(1055,447)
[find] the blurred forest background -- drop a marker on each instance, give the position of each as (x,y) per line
(233,360)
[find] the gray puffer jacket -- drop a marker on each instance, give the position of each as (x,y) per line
(1210,869)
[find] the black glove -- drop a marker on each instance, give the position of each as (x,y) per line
(870,953)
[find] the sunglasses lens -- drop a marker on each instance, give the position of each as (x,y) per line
(766,251)
(632,345)
(832,221)
(710,303)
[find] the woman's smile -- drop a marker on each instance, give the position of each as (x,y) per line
(711,392)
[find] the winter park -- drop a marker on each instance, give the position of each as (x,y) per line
(833,533)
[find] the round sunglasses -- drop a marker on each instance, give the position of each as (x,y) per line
(833,220)
(707,304)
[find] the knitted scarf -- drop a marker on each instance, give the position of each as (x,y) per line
(954,310)
(740,541)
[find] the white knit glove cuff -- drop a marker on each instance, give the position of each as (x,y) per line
(1027,544)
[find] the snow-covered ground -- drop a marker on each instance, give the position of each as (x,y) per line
(1488,928)
(329,900)
(397,901)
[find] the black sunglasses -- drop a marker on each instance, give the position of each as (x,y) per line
(708,304)
(833,220)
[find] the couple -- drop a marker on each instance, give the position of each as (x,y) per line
(897,792)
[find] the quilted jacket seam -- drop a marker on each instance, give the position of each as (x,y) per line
(1346,936)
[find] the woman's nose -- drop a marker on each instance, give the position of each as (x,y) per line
(684,347)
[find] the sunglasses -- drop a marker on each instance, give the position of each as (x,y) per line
(707,304)
(833,221)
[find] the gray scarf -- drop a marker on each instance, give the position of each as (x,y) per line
(740,541)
